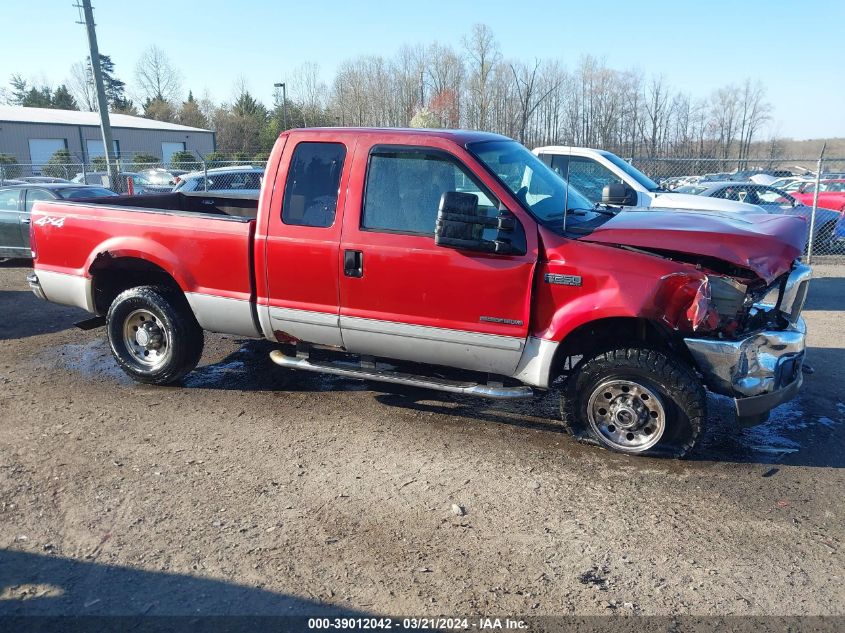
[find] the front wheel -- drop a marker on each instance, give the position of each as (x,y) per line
(153,334)
(635,400)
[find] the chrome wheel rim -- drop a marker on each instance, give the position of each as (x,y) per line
(626,415)
(145,339)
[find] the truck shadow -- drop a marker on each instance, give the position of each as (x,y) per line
(30,316)
(804,432)
(49,585)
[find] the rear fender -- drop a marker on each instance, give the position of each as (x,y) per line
(148,250)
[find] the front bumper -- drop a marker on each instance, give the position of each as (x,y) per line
(760,371)
(35,286)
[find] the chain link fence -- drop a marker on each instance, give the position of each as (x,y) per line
(140,173)
(782,185)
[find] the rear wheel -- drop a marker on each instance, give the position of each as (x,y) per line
(635,400)
(153,334)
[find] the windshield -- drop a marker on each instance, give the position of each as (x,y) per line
(633,172)
(534,184)
(693,189)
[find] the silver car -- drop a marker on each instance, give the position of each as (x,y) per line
(772,200)
(243,179)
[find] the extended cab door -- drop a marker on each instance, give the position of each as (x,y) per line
(302,241)
(404,297)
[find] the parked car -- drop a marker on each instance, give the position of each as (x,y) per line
(11,181)
(831,194)
(141,184)
(773,200)
(243,179)
(459,252)
(16,205)
(42,179)
(162,177)
(591,170)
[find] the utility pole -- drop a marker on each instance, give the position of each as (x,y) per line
(284,103)
(102,102)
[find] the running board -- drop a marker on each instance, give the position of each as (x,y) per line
(498,392)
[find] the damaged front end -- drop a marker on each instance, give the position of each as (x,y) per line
(750,342)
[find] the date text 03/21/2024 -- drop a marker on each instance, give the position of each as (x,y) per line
(440,623)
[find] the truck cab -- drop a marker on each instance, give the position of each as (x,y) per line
(591,170)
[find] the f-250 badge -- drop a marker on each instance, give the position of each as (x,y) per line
(563,280)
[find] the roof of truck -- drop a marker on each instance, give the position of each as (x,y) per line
(461,137)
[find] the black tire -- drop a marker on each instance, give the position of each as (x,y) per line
(175,339)
(661,389)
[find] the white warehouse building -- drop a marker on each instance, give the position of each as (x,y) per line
(32,135)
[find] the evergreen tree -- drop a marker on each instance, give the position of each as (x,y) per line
(63,100)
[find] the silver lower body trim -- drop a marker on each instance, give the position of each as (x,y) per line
(222,314)
(66,289)
(435,346)
(321,328)
(439,384)
(535,364)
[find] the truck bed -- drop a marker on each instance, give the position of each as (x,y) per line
(245,206)
(205,243)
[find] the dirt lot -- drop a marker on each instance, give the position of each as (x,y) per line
(254,490)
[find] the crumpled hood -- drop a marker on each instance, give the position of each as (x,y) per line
(765,244)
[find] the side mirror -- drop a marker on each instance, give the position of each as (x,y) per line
(461,225)
(618,194)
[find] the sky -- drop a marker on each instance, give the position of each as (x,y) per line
(795,50)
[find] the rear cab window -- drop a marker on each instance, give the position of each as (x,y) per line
(312,185)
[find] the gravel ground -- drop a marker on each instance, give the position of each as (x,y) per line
(255,490)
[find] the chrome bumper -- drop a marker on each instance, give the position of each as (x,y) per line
(759,372)
(35,286)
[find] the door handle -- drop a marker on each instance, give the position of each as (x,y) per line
(353,263)
(25,220)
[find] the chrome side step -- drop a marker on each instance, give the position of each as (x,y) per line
(498,392)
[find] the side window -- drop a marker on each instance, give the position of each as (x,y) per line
(585,174)
(771,196)
(9,199)
(404,189)
(33,195)
(313,182)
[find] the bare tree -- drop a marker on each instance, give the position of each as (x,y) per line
(81,85)
(482,58)
(156,77)
(656,109)
(755,111)
(310,92)
(527,92)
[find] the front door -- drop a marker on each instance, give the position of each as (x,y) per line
(303,236)
(404,297)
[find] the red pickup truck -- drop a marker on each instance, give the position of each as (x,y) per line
(449,260)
